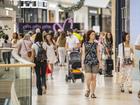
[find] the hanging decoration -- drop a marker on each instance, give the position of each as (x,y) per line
(68,20)
(72,8)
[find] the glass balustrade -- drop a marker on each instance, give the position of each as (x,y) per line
(16,82)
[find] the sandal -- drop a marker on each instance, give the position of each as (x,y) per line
(93,95)
(87,93)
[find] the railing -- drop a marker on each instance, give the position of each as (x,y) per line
(16,84)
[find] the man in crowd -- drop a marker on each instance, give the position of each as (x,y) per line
(72,41)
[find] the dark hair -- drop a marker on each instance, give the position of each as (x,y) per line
(16,34)
(6,37)
(70,30)
(88,34)
(47,39)
(124,34)
(38,37)
(21,34)
(109,39)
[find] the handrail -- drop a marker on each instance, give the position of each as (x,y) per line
(5,48)
(23,62)
(17,65)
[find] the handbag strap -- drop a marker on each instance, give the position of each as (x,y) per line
(89,50)
(25,46)
(123,50)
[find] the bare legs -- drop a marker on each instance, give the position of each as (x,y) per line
(90,84)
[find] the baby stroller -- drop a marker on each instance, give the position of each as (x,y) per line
(74,66)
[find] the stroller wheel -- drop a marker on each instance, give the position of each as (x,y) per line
(73,79)
(82,78)
(66,78)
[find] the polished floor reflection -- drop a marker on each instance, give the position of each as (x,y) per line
(61,93)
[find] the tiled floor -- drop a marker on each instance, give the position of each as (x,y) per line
(62,93)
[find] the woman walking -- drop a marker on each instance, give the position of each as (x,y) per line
(24,48)
(40,59)
(90,61)
(108,52)
(49,44)
(127,63)
(61,41)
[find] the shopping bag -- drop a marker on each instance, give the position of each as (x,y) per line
(48,69)
(100,82)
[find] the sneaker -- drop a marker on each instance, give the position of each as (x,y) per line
(39,92)
(130,91)
(87,93)
(122,90)
(93,95)
(43,90)
(110,75)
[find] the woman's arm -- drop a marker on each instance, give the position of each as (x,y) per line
(132,55)
(19,47)
(98,54)
(33,55)
(83,54)
(57,42)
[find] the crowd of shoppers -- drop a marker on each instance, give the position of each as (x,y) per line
(95,51)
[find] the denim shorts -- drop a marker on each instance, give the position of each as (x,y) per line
(91,68)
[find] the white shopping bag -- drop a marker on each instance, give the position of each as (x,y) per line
(100,82)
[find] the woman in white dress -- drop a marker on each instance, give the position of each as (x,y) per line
(49,44)
(126,56)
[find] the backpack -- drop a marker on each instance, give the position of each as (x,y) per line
(41,55)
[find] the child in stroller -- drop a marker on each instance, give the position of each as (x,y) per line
(74,66)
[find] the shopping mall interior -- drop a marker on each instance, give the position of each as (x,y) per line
(19,79)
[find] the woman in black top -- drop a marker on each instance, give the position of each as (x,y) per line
(90,60)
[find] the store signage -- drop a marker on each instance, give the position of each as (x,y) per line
(25,27)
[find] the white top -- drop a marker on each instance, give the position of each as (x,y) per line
(6,45)
(72,41)
(51,57)
(137,40)
(127,51)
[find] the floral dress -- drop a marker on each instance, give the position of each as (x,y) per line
(91,53)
